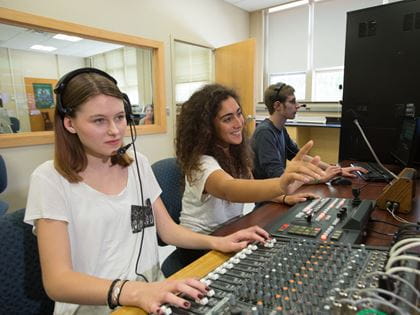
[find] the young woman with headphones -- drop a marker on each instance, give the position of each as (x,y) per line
(96,213)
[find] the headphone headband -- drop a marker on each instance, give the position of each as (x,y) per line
(64,81)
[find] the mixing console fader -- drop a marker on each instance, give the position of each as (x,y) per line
(291,276)
(334,219)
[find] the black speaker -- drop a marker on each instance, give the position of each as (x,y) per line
(62,84)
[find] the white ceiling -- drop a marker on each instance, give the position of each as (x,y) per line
(22,38)
(254,5)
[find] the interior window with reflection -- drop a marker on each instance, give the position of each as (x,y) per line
(32,61)
(130,66)
(297,80)
(193,69)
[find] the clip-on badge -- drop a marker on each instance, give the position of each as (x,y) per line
(141,217)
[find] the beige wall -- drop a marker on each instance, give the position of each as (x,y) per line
(212,23)
(32,65)
(256,30)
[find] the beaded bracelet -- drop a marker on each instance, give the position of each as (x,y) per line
(109,300)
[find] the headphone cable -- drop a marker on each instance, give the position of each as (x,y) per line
(133,135)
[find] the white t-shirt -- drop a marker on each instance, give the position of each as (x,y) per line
(202,212)
(99,226)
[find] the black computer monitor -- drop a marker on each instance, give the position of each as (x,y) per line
(406,150)
(381,77)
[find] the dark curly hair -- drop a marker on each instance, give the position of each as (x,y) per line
(196,134)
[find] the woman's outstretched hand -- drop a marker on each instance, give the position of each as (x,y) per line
(299,172)
(349,171)
(291,200)
(331,172)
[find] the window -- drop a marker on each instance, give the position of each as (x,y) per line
(328,84)
(193,69)
(297,80)
(183,91)
(287,47)
(309,37)
(123,64)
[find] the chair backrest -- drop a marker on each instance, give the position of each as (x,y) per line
(171,181)
(14,124)
(3,175)
(3,184)
(21,289)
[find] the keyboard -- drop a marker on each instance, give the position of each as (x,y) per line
(375,172)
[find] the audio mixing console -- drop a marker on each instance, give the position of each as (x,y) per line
(335,219)
(293,276)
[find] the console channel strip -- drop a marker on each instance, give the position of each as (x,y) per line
(295,276)
(334,219)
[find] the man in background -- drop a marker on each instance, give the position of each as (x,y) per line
(272,144)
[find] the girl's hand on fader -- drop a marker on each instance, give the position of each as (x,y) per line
(151,296)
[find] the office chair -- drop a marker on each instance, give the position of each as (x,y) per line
(171,181)
(3,184)
(21,289)
(14,124)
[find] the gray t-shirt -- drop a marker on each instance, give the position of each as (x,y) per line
(99,226)
(202,212)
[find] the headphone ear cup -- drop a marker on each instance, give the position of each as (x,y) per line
(58,90)
(127,109)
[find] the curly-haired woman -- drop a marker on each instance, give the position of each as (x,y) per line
(215,157)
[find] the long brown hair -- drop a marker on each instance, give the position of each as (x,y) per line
(196,134)
(69,156)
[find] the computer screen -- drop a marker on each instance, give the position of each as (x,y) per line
(381,74)
(406,146)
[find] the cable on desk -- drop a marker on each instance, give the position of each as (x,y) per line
(395,277)
(398,247)
(370,300)
(391,207)
(384,222)
(386,234)
(407,231)
(392,260)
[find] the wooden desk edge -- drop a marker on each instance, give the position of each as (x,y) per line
(198,269)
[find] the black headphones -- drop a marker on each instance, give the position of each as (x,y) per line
(278,89)
(62,84)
